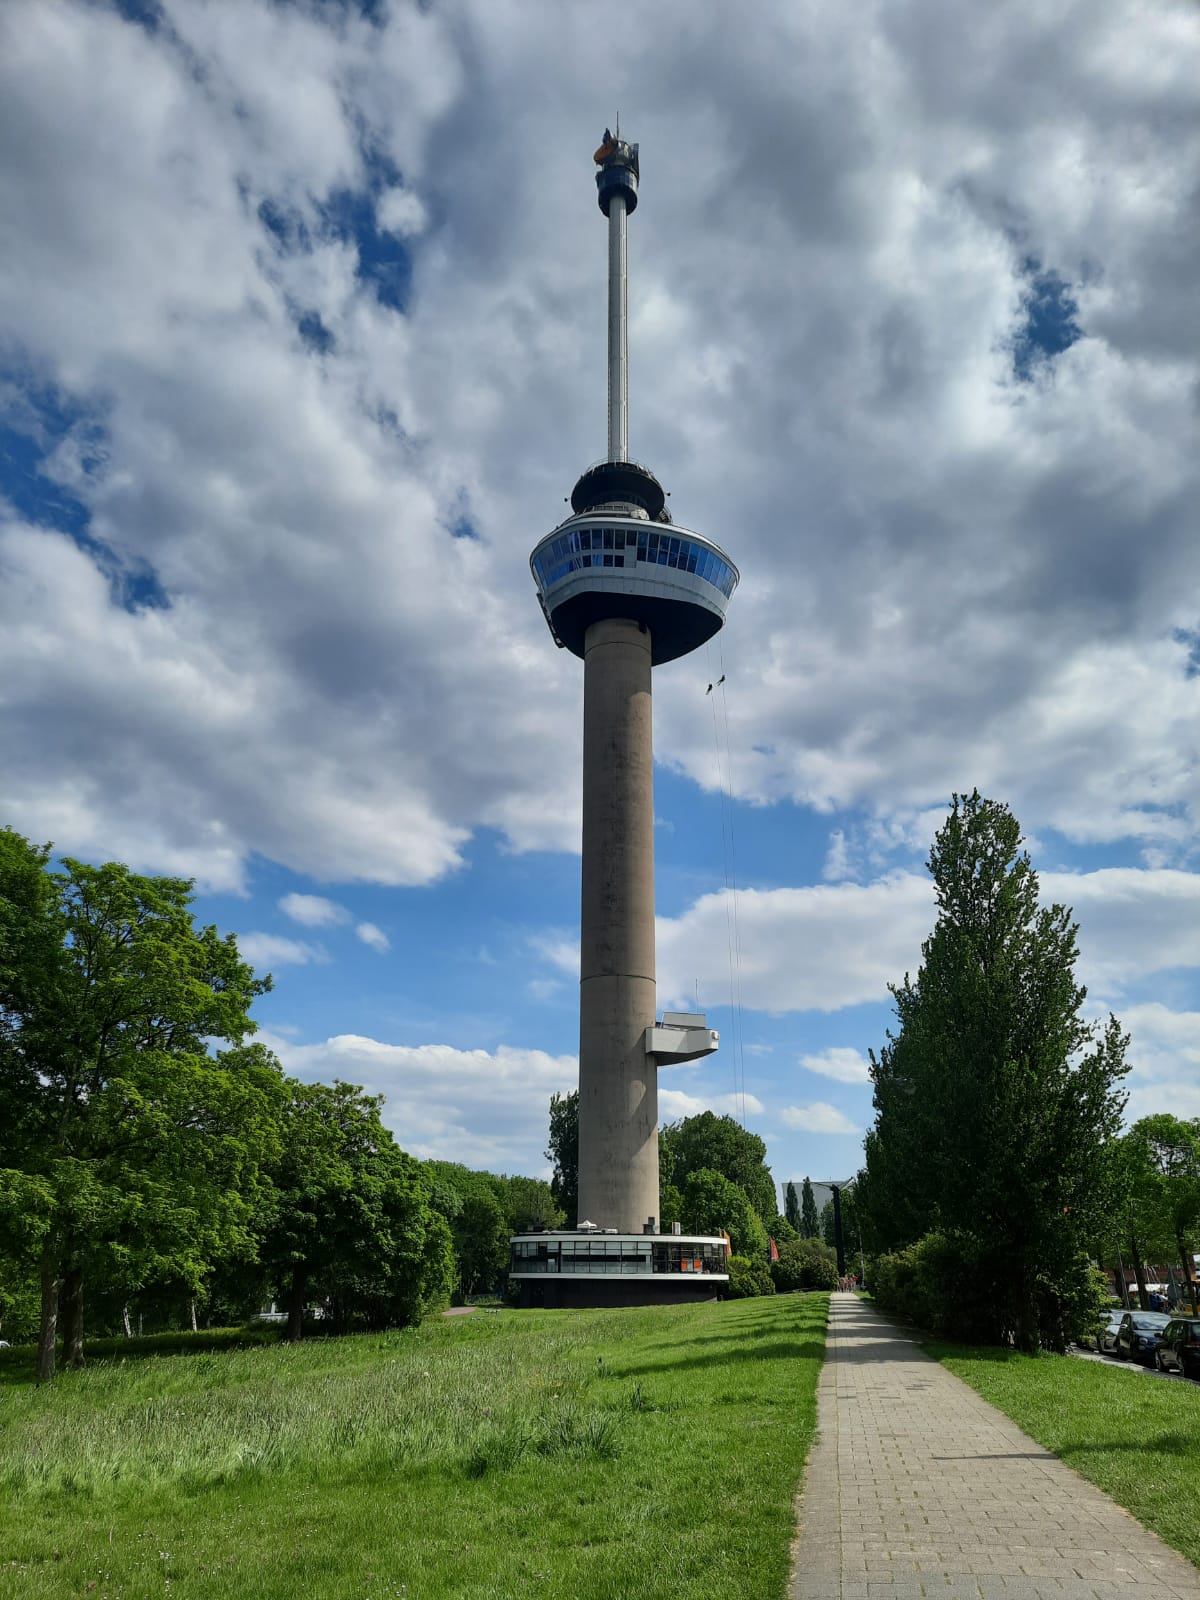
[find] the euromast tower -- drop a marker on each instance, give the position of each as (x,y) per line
(627,590)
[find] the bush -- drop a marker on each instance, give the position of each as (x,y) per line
(949,1284)
(805,1264)
(748,1279)
(941,1283)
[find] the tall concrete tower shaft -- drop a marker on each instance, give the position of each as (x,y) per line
(627,589)
(618,1089)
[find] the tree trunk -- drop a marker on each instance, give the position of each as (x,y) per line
(195,1329)
(295,1321)
(48,1326)
(1139,1272)
(1185,1263)
(125,1323)
(72,1317)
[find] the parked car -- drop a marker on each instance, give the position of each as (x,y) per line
(1106,1333)
(1179,1347)
(1137,1337)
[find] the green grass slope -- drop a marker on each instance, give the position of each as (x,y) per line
(1138,1438)
(646,1453)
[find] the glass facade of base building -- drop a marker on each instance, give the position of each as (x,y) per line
(619,1256)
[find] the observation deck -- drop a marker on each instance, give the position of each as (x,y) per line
(615,558)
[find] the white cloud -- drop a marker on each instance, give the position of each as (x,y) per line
(374,936)
(674,1104)
(485,1108)
(837,861)
(266,950)
(818,948)
(401,212)
(840,1062)
(1132,921)
(817,1117)
(1164,1059)
(560,948)
(829,946)
(313,911)
(543,989)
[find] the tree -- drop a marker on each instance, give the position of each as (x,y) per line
(718,1144)
(1133,1229)
(748,1279)
(782,1232)
(791,1205)
(351,1221)
(994,1099)
(484,1209)
(528,1203)
(807,1264)
(563,1151)
(711,1204)
(809,1223)
(137,1148)
(482,1244)
(1171,1149)
(828,1227)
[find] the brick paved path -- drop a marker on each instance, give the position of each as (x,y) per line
(918,1487)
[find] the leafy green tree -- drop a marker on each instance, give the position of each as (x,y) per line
(748,1279)
(351,1221)
(807,1264)
(712,1204)
(481,1241)
(828,1227)
(1172,1160)
(810,1224)
(670,1204)
(484,1209)
(791,1206)
(719,1144)
(563,1151)
(1134,1228)
(994,1099)
(782,1232)
(528,1203)
(137,1150)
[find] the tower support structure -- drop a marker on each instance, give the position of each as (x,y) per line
(618,1087)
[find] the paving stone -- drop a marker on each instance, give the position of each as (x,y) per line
(917,1489)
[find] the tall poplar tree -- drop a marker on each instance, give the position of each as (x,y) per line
(810,1223)
(994,1098)
(791,1205)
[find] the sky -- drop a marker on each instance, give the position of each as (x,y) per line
(302,322)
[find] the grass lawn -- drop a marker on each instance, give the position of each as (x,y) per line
(1138,1438)
(640,1453)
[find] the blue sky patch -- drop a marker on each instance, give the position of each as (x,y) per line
(383,262)
(1050,324)
(34,422)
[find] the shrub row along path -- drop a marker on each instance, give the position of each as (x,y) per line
(917,1487)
